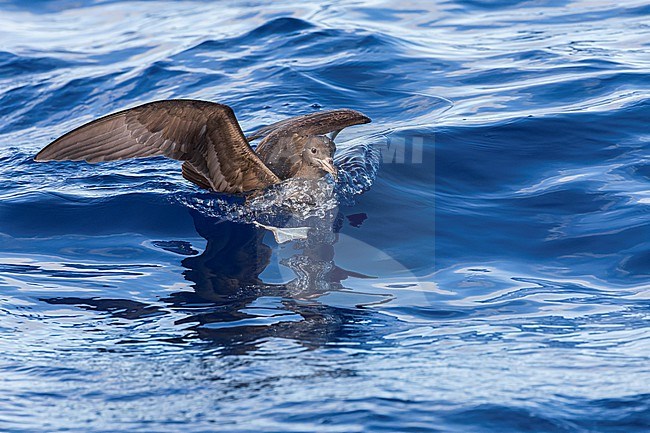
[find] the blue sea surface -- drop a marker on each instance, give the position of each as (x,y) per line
(485,267)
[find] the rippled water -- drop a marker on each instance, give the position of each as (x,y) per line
(496,278)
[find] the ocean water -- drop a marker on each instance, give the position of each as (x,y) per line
(482,264)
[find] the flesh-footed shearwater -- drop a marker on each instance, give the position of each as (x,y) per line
(208,139)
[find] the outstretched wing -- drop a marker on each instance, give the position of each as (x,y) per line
(205,135)
(279,141)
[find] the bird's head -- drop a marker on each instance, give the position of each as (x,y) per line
(318,153)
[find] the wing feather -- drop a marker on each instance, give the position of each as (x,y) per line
(281,146)
(204,134)
(321,122)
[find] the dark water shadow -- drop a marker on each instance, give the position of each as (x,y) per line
(231,305)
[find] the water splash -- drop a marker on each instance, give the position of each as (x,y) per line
(297,200)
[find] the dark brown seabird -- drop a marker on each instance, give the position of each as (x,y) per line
(208,139)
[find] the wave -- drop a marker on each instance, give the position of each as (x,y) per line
(486,241)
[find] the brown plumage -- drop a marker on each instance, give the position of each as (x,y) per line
(284,141)
(208,139)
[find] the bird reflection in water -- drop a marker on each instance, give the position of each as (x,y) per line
(232,306)
(244,309)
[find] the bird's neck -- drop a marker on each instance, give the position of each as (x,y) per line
(308,171)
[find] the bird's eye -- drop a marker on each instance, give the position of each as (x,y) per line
(313,150)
